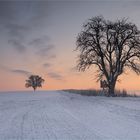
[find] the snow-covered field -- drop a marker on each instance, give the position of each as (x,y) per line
(56,115)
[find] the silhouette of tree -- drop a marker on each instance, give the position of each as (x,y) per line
(34,81)
(111,46)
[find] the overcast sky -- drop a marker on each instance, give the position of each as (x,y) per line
(39,37)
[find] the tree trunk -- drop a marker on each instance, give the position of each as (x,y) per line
(111,91)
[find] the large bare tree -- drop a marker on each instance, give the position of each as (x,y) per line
(111,46)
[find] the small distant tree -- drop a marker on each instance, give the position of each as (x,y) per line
(111,46)
(34,81)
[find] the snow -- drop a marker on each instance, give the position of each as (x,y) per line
(57,115)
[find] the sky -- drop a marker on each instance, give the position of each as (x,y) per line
(39,37)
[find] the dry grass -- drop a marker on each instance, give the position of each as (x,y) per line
(93,92)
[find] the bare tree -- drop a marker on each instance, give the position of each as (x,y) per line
(34,81)
(111,46)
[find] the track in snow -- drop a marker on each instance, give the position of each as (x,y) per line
(56,115)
